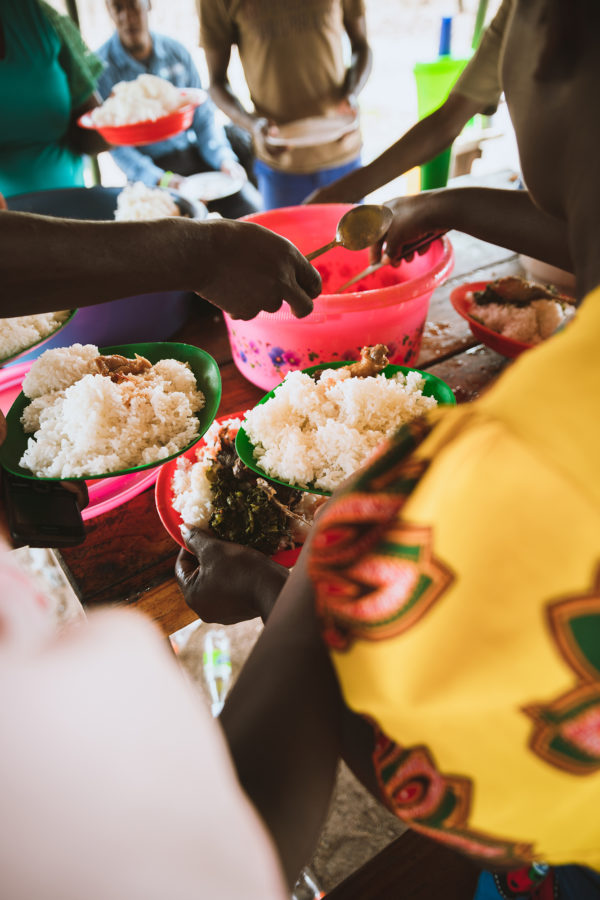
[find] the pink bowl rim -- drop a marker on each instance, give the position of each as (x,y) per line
(424,284)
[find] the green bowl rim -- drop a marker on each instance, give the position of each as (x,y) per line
(205,416)
(242,440)
(7,359)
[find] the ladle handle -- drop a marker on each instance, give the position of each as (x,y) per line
(368,271)
(314,253)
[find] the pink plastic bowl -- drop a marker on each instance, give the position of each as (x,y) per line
(388,307)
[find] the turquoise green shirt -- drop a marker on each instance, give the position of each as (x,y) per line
(35,105)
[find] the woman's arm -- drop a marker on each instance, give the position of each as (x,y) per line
(285,719)
(419,144)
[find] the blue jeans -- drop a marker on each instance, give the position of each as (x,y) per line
(287,189)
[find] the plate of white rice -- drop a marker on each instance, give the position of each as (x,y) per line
(78,419)
(20,334)
(312,435)
(508,324)
(138,202)
(144,110)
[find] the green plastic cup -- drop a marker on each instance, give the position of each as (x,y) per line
(434,82)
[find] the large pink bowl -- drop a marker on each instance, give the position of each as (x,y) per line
(388,307)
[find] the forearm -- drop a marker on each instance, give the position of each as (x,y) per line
(51,264)
(507,218)
(359,70)
(226,100)
(283,724)
(418,145)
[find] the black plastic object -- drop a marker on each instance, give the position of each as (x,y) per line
(44,513)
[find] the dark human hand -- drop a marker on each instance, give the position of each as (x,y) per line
(224,582)
(235,170)
(176,182)
(261,132)
(252,269)
(415,218)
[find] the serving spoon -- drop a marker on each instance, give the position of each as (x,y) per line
(407,250)
(358,228)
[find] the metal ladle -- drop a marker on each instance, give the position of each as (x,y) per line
(358,229)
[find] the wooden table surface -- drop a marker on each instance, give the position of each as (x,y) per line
(128,557)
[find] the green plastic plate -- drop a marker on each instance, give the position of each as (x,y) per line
(7,359)
(208,379)
(434,387)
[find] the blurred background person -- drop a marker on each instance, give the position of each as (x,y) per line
(477,90)
(134,50)
(47,80)
(292,55)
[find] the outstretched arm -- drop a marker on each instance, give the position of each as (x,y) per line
(49,264)
(419,144)
(507,218)
(285,719)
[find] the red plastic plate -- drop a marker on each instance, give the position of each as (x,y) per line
(171,519)
(505,346)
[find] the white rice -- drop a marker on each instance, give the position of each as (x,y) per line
(192,497)
(144,99)
(318,433)
(138,201)
(83,423)
(529,324)
(20,332)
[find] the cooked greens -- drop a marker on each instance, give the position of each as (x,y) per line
(246,509)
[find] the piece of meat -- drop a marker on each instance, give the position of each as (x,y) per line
(517,292)
(119,368)
(372,361)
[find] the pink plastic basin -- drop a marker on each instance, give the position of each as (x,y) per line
(389,307)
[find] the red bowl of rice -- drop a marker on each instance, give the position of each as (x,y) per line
(150,130)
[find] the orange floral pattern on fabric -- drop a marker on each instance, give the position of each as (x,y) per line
(567,731)
(375,576)
(437,805)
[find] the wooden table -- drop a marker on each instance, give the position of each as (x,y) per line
(128,557)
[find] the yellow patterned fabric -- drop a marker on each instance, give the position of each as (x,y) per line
(458,585)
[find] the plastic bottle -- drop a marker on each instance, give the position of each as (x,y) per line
(307,888)
(180,638)
(216,662)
